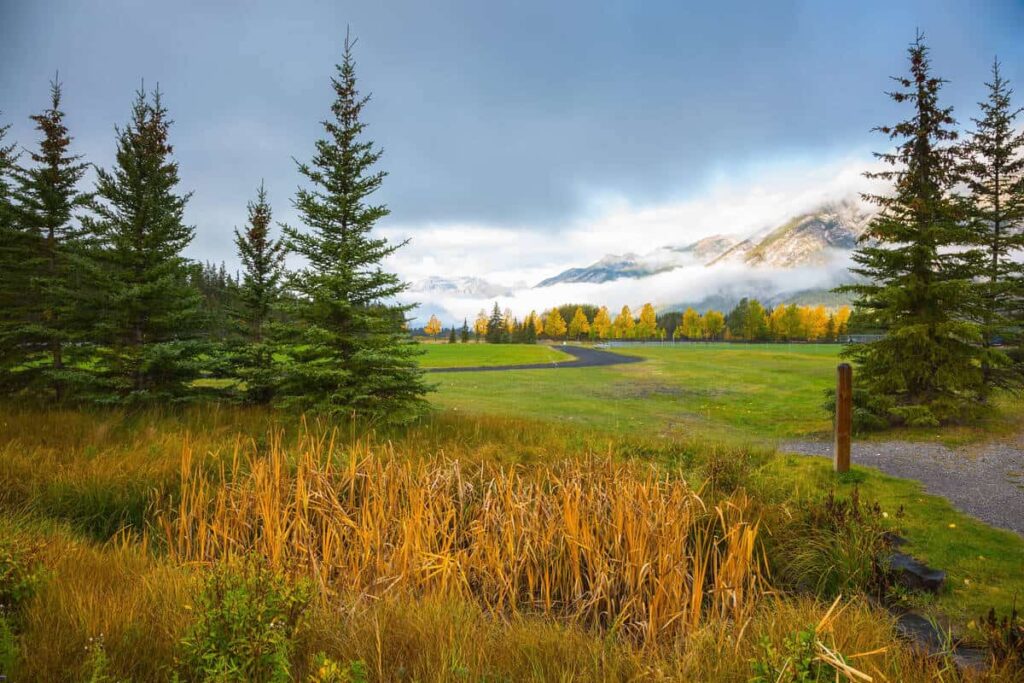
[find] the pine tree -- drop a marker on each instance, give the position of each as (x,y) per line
(916,286)
(12,280)
(262,259)
(150,325)
(42,334)
(497,330)
(452,339)
(464,332)
(994,173)
(350,352)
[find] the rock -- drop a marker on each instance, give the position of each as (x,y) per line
(915,575)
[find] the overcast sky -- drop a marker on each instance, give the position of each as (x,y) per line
(544,131)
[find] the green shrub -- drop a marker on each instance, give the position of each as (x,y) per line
(326,670)
(796,662)
(21,572)
(246,619)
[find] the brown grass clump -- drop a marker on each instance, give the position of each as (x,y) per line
(599,542)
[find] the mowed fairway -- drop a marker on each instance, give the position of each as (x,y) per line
(472,355)
(756,392)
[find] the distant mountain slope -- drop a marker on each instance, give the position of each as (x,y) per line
(472,287)
(811,239)
(611,267)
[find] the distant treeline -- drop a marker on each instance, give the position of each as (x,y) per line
(749,320)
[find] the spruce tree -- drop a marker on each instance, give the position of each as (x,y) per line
(150,325)
(917,287)
(994,173)
(497,332)
(42,333)
(464,332)
(350,352)
(10,283)
(262,260)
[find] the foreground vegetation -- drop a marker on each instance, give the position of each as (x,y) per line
(231,543)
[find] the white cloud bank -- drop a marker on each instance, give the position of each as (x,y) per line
(760,198)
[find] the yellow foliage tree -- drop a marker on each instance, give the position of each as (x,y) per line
(713,323)
(690,326)
(843,320)
(624,326)
(554,326)
(816,322)
(480,326)
(510,322)
(433,326)
(602,325)
(647,328)
(579,325)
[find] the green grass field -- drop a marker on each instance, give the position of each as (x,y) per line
(472,354)
(721,391)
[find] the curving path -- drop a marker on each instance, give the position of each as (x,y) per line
(583,357)
(984,480)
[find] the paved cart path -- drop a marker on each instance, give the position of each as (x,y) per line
(984,480)
(583,357)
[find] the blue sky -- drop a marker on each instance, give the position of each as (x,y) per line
(524,120)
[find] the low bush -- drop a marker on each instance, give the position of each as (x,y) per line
(246,617)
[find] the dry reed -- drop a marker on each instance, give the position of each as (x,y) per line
(599,542)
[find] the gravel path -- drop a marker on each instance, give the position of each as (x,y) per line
(984,480)
(583,357)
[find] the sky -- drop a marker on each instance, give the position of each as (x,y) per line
(520,138)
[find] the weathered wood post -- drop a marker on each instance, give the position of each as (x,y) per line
(844,417)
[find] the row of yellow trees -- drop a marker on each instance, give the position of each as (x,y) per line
(748,321)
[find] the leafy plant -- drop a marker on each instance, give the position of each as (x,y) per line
(797,661)
(21,572)
(326,670)
(246,620)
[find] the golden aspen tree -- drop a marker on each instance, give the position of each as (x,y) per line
(433,326)
(647,328)
(480,325)
(690,325)
(554,326)
(579,325)
(602,325)
(843,321)
(624,326)
(714,324)
(817,322)
(510,322)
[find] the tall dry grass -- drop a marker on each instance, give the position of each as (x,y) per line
(602,543)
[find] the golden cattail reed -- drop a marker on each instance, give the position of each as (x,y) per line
(597,541)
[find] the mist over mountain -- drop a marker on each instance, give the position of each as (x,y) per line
(799,260)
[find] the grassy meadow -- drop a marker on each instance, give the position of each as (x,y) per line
(444,355)
(632,522)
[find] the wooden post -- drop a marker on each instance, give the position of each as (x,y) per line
(844,417)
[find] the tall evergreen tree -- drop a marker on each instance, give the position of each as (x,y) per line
(262,259)
(150,324)
(10,237)
(464,331)
(994,173)
(350,351)
(917,287)
(497,331)
(41,333)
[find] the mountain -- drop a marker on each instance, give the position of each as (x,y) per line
(616,266)
(807,240)
(471,287)
(813,239)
